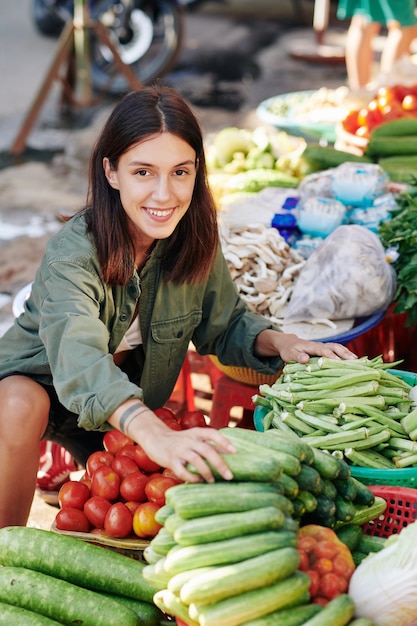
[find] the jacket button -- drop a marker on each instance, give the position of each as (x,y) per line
(123,317)
(179,334)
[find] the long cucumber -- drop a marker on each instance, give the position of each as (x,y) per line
(60,600)
(182,558)
(148,614)
(74,561)
(237,609)
(294,616)
(229,580)
(227,525)
(338,612)
(10,614)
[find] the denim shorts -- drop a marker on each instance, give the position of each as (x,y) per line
(63,429)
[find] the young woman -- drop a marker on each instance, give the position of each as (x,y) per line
(122,289)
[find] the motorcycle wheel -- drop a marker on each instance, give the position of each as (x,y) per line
(157,34)
(50,16)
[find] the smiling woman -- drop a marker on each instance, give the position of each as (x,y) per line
(143,255)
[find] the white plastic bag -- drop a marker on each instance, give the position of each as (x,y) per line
(347,276)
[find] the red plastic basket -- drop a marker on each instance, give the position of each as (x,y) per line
(401,510)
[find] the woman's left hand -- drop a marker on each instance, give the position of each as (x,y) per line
(292,348)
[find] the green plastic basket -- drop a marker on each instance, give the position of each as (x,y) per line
(406,477)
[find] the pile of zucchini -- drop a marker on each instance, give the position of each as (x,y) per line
(48,579)
(226,553)
(355,409)
(393,145)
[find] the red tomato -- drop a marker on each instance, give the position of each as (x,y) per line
(74,520)
(170,474)
(326,549)
(132,505)
(73,494)
(144,462)
(95,510)
(144,523)
(133,487)
(314,582)
(323,566)
(157,486)
(168,417)
(96,459)
(304,561)
(350,123)
(118,521)
(127,450)
(124,465)
(330,585)
(105,482)
(192,419)
(409,102)
(113,440)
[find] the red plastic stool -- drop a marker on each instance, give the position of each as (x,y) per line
(229,393)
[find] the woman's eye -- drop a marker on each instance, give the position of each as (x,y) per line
(142,172)
(181,172)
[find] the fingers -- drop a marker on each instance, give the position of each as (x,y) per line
(201,448)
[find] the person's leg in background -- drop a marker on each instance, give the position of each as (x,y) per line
(359,51)
(397,45)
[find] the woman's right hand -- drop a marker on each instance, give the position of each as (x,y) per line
(174,449)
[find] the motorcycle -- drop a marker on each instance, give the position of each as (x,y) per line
(148,36)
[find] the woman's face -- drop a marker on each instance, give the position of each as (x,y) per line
(155,179)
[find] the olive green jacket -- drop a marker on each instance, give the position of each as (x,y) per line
(73,323)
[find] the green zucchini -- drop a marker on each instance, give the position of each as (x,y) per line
(73,560)
(294,616)
(288,485)
(309,479)
(391,146)
(200,499)
(363,494)
(346,488)
(252,604)
(327,465)
(308,499)
(329,489)
(182,558)
(148,614)
(325,509)
(326,157)
(365,514)
(60,600)
(10,614)
(396,128)
(228,525)
(229,580)
(338,612)
(350,535)
(371,543)
(345,509)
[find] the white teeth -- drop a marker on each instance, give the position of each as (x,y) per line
(160,213)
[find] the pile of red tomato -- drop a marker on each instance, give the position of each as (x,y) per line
(122,488)
(388,103)
(327,561)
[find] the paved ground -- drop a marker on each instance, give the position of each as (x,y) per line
(233,59)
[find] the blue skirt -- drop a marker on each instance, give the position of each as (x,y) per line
(381,11)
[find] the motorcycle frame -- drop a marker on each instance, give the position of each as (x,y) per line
(72,49)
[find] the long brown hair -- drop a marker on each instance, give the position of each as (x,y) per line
(191,248)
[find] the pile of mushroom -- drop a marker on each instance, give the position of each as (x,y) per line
(263,266)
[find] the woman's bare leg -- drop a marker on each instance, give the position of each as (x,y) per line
(397,45)
(359,51)
(24,411)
